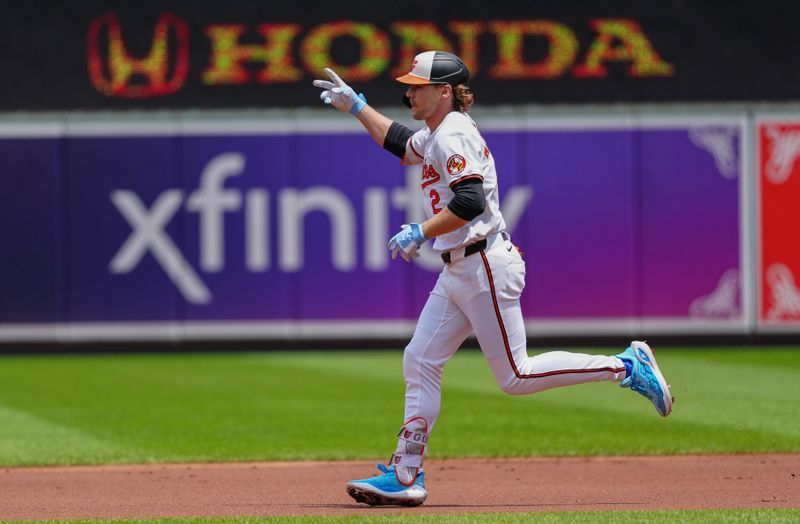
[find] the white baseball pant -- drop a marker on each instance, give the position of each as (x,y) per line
(481,293)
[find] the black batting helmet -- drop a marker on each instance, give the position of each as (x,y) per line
(435,67)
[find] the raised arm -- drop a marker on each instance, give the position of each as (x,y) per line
(388,134)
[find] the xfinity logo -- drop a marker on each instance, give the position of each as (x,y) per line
(212,201)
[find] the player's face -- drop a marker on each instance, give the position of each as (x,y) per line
(424,100)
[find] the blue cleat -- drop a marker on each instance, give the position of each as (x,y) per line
(645,377)
(386,490)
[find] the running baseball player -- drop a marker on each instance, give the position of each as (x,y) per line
(479,288)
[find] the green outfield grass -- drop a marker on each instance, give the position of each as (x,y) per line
(302,405)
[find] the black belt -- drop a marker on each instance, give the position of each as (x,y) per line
(469,250)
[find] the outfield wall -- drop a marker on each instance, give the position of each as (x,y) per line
(273,225)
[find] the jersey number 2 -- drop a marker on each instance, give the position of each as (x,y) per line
(434,201)
(430,176)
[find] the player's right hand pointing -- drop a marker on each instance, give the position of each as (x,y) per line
(340,95)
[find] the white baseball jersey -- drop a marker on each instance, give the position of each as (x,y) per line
(453,152)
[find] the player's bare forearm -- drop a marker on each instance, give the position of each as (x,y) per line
(375,123)
(441,223)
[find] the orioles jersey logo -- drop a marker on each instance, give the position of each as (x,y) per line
(456,164)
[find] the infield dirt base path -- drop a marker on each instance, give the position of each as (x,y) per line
(455,486)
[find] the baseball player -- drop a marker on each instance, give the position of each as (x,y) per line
(482,277)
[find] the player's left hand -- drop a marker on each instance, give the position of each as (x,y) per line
(407,242)
(340,95)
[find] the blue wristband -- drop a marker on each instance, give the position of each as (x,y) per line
(419,236)
(358,104)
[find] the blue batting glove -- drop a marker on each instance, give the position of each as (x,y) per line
(340,95)
(407,242)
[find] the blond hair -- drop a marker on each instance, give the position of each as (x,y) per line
(463,98)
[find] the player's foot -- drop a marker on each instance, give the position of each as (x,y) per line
(385,490)
(645,378)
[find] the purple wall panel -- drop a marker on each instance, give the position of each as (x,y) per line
(690,222)
(144,167)
(623,224)
(30,212)
(250,166)
(346,169)
(508,150)
(580,255)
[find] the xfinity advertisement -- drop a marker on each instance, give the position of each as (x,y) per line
(170,226)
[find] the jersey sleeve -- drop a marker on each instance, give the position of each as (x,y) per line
(458,156)
(415,151)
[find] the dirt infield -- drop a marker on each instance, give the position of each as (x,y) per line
(471,485)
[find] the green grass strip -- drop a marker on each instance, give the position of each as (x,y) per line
(119,408)
(737,516)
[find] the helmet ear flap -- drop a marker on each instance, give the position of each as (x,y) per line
(406,101)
